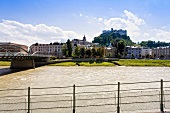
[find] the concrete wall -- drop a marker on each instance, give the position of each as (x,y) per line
(22,64)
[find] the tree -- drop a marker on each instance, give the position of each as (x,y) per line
(154,55)
(147,56)
(82,52)
(77,51)
(133,56)
(121,47)
(94,53)
(64,50)
(88,52)
(100,52)
(69,48)
(143,43)
(140,55)
(162,56)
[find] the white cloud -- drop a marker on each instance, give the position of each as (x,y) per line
(133,18)
(28,34)
(162,35)
(80,14)
(100,19)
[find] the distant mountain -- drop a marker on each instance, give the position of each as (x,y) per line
(112,37)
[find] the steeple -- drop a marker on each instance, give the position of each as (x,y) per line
(84,38)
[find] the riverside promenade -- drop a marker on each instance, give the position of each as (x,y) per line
(100,98)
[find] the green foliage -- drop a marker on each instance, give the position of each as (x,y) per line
(82,52)
(153,44)
(121,47)
(100,52)
(88,52)
(94,52)
(69,48)
(133,56)
(77,52)
(53,58)
(113,38)
(64,50)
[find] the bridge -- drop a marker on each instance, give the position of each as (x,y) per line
(22,58)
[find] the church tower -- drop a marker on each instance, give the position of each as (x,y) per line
(84,38)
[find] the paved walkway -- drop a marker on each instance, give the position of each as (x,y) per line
(156,112)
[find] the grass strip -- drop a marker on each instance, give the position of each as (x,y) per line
(83,64)
(5,63)
(143,62)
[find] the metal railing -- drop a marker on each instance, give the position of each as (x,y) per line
(104,98)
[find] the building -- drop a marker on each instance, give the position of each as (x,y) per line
(54,49)
(82,43)
(146,52)
(120,31)
(137,52)
(8,48)
(161,52)
(76,42)
(110,52)
(133,52)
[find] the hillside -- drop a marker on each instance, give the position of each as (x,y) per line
(112,37)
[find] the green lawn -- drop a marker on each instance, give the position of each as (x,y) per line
(121,62)
(5,63)
(143,62)
(96,64)
(83,64)
(64,64)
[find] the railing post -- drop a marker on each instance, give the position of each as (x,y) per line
(162,94)
(28,100)
(74,99)
(118,98)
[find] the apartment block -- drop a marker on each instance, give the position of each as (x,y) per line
(54,49)
(161,52)
(133,52)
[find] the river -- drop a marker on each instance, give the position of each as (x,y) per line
(65,76)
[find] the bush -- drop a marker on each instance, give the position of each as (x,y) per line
(53,58)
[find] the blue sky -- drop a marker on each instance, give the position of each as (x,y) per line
(45,21)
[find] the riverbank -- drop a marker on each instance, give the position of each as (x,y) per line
(142,62)
(121,62)
(83,64)
(5,63)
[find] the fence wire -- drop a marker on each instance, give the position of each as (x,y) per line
(103,98)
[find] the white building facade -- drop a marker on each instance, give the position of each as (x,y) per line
(161,52)
(133,52)
(54,49)
(146,52)
(137,52)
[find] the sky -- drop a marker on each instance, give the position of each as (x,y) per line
(45,21)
